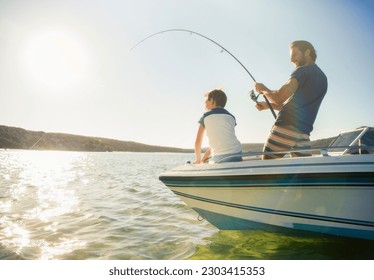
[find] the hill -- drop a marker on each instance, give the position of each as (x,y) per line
(19,138)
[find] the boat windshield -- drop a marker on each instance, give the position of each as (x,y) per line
(360,137)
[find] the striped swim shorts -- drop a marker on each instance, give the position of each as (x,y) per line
(283,139)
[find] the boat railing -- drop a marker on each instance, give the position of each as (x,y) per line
(313,151)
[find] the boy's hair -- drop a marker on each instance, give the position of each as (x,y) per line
(218,96)
(305,45)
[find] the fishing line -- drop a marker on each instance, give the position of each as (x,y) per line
(214,42)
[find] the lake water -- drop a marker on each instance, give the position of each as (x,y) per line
(105,206)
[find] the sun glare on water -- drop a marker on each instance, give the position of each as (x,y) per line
(55,59)
(41,202)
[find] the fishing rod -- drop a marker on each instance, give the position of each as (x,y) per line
(214,42)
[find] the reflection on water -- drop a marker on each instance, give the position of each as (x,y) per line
(261,245)
(36,193)
(71,205)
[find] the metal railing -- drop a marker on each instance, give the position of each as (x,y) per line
(313,151)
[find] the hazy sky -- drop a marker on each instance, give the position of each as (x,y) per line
(66,66)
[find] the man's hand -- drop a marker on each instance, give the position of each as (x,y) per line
(262,106)
(260,87)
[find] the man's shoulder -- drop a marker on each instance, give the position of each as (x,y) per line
(310,69)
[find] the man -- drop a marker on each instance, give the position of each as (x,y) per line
(298,102)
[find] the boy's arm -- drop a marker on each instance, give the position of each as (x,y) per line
(198,143)
(206,155)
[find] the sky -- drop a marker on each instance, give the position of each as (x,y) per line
(66,66)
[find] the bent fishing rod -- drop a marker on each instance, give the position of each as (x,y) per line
(253,97)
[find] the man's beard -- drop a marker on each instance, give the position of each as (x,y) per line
(302,61)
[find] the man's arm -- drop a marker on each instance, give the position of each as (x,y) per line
(264,106)
(278,97)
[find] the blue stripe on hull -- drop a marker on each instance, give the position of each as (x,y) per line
(280,212)
(278,180)
(225,222)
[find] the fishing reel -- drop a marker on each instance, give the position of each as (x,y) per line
(253,96)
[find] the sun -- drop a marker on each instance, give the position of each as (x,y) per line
(55,59)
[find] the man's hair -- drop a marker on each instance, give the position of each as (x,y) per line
(305,45)
(218,96)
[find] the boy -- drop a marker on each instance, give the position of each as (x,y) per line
(219,125)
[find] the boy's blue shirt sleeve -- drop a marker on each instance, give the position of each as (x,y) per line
(201,121)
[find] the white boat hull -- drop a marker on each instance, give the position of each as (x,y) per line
(329,195)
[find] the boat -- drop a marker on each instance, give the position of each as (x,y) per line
(329,192)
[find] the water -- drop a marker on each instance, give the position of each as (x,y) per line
(71,205)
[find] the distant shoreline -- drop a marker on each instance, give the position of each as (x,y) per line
(19,138)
